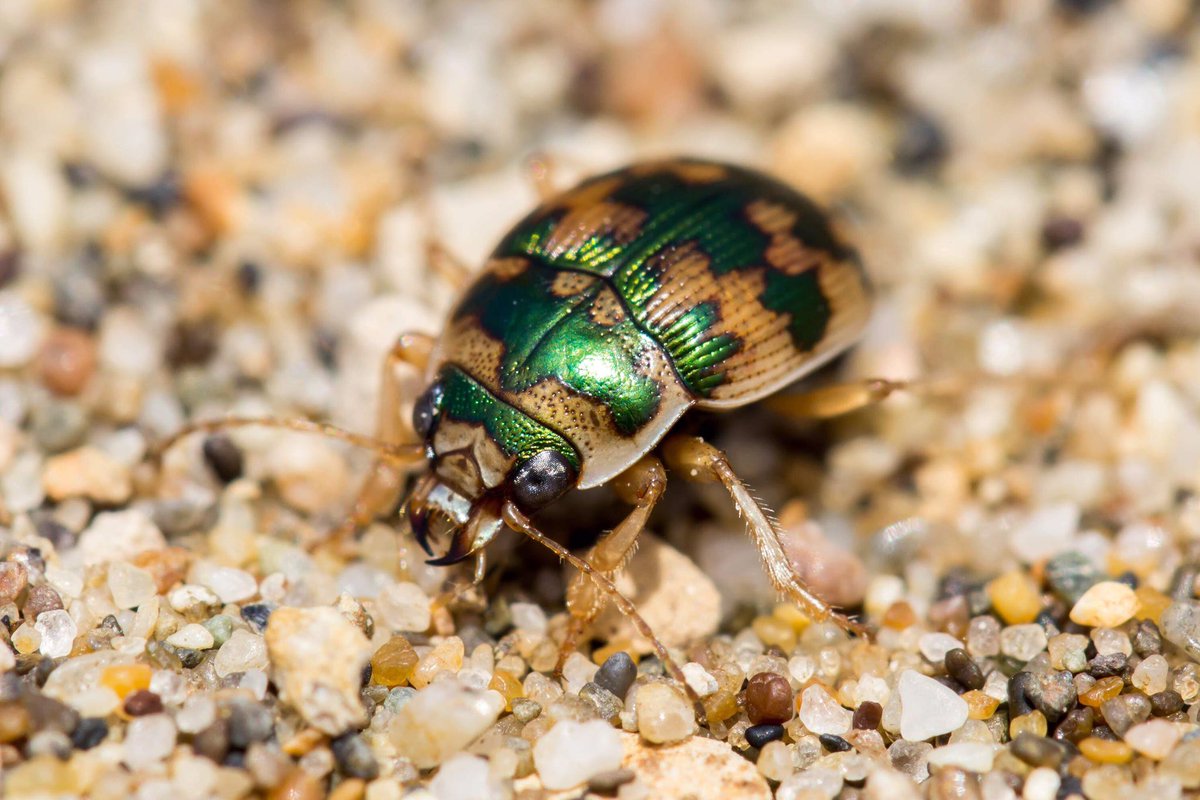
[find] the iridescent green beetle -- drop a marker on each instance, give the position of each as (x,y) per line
(598,321)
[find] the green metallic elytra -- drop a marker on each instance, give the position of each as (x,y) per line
(710,217)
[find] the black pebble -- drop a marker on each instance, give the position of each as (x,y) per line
(607,784)
(1018,694)
(616,674)
(257,615)
(1166,702)
(235,759)
(223,457)
(1061,232)
(213,741)
(249,722)
(834,744)
(1037,751)
(1107,666)
(46,713)
(90,732)
(963,668)
(759,735)
(1076,725)
(43,669)
(190,659)
(160,196)
(921,146)
(1147,639)
(249,277)
(354,757)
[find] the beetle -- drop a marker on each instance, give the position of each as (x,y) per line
(600,319)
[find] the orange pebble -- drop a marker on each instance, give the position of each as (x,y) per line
(126,678)
(1103,689)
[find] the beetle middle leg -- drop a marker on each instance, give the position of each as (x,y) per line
(697,460)
(640,486)
(833,401)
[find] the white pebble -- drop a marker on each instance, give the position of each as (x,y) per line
(148,740)
(119,536)
(663,714)
(820,713)
(20,330)
(810,783)
(441,720)
(130,586)
(702,683)
(529,617)
(1041,784)
(928,708)
(192,637)
(241,652)
(230,585)
(971,756)
(934,646)
(466,777)
(1046,532)
(572,752)
(404,607)
(191,597)
(197,713)
(578,670)
(58,632)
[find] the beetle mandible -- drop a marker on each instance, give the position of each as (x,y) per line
(599,320)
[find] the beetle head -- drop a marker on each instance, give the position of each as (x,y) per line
(481,452)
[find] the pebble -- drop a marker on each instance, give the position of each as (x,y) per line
(935,646)
(928,708)
(257,615)
(142,702)
(1123,712)
(971,756)
(699,679)
(393,663)
(1155,738)
(243,652)
(90,732)
(67,360)
(1181,627)
(119,536)
(1015,597)
(58,631)
(464,777)
(1069,575)
(1105,605)
(1052,693)
(130,586)
(38,600)
(353,755)
(759,735)
(223,457)
(148,740)
(441,720)
(248,722)
(669,772)
(404,607)
(1023,642)
(821,713)
(20,330)
(616,674)
(769,699)
(87,472)
(963,668)
(562,763)
(318,657)
(664,714)
(867,716)
(13,580)
(229,584)
(1037,751)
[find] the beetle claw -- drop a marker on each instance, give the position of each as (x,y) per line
(460,548)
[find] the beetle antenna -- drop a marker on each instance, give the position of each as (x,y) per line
(518,521)
(399,454)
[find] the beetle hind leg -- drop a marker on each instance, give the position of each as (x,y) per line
(641,486)
(832,401)
(699,461)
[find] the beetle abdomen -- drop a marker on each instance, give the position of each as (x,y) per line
(736,276)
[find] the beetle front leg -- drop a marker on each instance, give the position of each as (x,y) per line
(640,486)
(380,490)
(699,461)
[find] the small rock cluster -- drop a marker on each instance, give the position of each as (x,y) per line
(221,208)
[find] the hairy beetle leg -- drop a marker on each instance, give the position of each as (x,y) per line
(516,519)
(380,490)
(699,461)
(641,486)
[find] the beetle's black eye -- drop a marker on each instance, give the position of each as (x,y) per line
(541,478)
(425,410)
